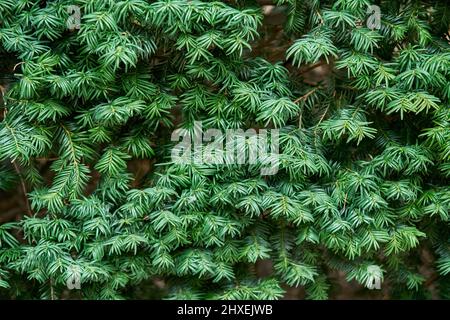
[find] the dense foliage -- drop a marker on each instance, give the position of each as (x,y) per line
(364,153)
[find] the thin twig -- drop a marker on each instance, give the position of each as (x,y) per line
(52,290)
(47,159)
(323,115)
(315,65)
(5,110)
(305,96)
(320,17)
(17,64)
(24,188)
(430,281)
(320,121)
(345,203)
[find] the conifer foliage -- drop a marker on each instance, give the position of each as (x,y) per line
(364,154)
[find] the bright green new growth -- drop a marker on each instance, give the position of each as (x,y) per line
(364,154)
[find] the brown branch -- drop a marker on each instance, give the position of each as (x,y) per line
(315,65)
(345,203)
(300,120)
(3,92)
(305,96)
(17,64)
(24,188)
(9,215)
(46,159)
(323,116)
(52,290)
(432,279)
